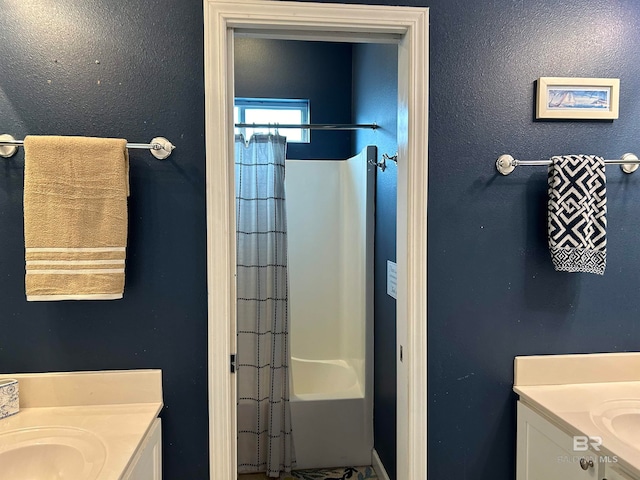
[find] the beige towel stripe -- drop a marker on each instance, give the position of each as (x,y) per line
(95,296)
(75,262)
(75,272)
(72,250)
(83,268)
(76,256)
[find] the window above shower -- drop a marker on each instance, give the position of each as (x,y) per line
(274,111)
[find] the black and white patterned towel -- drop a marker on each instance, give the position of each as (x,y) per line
(578,214)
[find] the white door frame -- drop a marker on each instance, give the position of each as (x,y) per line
(406,26)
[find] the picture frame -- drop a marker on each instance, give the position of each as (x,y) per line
(574,98)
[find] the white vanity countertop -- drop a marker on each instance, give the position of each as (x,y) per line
(119,407)
(572,390)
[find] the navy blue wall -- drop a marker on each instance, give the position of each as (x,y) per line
(148,82)
(492,291)
(318,71)
(375,99)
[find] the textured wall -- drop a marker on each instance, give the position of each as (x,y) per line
(492,291)
(116,69)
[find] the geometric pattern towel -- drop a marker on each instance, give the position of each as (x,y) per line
(577,214)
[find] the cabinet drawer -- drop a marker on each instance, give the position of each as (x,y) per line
(545,452)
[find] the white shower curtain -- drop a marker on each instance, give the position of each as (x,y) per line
(264,420)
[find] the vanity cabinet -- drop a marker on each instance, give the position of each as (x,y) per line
(147,461)
(545,452)
(562,398)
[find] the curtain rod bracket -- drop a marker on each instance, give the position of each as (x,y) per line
(383,164)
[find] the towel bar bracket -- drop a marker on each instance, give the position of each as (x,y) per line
(7,151)
(505,164)
(161,148)
(629,167)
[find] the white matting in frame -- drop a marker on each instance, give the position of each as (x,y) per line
(578,98)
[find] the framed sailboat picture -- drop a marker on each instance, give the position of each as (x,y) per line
(578,98)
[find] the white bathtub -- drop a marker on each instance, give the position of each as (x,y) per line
(328,414)
(324,380)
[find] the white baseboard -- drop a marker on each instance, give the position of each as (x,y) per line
(377,466)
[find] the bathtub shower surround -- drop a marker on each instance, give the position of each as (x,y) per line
(264,416)
(329,212)
(318,379)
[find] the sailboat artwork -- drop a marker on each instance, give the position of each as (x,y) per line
(570,98)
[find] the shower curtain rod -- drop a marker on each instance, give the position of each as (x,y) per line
(310,126)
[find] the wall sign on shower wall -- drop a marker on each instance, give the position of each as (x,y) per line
(392,279)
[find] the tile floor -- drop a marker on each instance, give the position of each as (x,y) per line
(344,473)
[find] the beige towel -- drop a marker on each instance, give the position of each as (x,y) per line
(75,217)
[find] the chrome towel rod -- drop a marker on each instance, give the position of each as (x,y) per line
(507,164)
(310,126)
(160,147)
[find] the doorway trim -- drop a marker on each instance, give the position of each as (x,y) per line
(406,26)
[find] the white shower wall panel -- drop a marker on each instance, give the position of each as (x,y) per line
(326,211)
(313,190)
(330,217)
(353,262)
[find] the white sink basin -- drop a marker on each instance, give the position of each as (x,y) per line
(51,453)
(627,428)
(621,418)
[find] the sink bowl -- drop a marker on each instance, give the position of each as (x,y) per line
(51,453)
(621,418)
